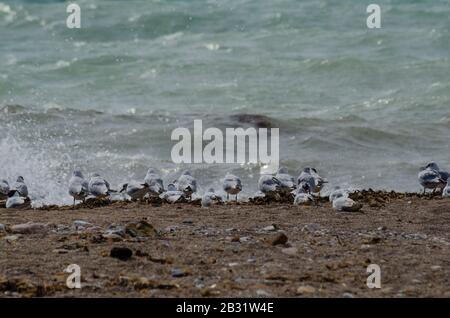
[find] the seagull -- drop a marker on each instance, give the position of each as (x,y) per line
(209,198)
(446,191)
(269,185)
(78,187)
(307,181)
(303,198)
(4,189)
(20,187)
(187,184)
(337,193)
(287,182)
(98,186)
(16,201)
(172,194)
(232,185)
(154,182)
(318,180)
(135,191)
(345,204)
(431,178)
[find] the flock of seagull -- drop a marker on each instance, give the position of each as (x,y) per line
(304,190)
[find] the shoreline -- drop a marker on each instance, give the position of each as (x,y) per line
(373,198)
(235,250)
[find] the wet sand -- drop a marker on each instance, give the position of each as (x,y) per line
(234,250)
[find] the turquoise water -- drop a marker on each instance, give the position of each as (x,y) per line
(366,107)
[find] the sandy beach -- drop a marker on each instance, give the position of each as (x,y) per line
(234,250)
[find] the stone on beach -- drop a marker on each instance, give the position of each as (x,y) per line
(122,253)
(305,290)
(29,228)
(278,239)
(140,229)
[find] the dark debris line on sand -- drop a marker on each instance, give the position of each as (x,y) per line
(238,249)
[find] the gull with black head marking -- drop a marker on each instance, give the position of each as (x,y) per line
(306,181)
(209,198)
(17,201)
(135,191)
(154,182)
(187,184)
(430,177)
(172,195)
(287,182)
(20,187)
(99,187)
(302,197)
(269,185)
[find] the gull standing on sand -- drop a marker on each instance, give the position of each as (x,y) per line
(4,189)
(287,182)
(20,187)
(303,198)
(269,185)
(319,181)
(172,194)
(154,182)
(98,186)
(17,201)
(307,181)
(431,178)
(232,185)
(187,184)
(209,198)
(78,187)
(135,191)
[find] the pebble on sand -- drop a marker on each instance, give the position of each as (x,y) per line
(141,228)
(291,251)
(278,239)
(178,272)
(122,253)
(305,290)
(11,238)
(29,228)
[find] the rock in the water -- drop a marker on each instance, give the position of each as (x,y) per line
(258,121)
(122,253)
(141,228)
(29,228)
(348,295)
(278,239)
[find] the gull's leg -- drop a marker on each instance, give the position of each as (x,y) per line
(228,196)
(74,203)
(236,197)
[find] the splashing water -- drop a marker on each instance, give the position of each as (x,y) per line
(43,172)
